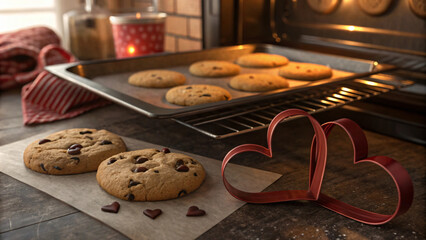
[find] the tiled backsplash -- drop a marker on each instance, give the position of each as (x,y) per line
(183,25)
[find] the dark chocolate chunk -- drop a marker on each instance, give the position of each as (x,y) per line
(194,211)
(121,157)
(112,208)
(42,167)
(111,161)
(133,183)
(182,193)
(152,213)
(76,158)
(141,159)
(193,162)
(44,141)
(74,149)
(182,168)
(165,150)
(56,167)
(195,174)
(179,162)
(85,132)
(74,146)
(130,197)
(206,95)
(140,169)
(106,142)
(156,171)
(188,88)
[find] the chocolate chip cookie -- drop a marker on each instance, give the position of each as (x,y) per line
(214,69)
(305,71)
(262,60)
(72,151)
(157,79)
(190,95)
(258,82)
(150,175)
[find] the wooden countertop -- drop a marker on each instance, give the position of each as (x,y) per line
(27,213)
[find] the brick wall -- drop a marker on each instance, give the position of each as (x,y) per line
(183,25)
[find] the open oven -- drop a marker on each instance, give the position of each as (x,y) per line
(386,32)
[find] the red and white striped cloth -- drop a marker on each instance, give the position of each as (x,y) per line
(50,98)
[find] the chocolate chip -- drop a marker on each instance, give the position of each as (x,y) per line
(141,160)
(121,157)
(216,68)
(188,87)
(105,142)
(193,162)
(194,211)
(206,95)
(130,197)
(85,132)
(140,169)
(165,150)
(42,167)
(182,168)
(76,158)
(112,208)
(44,141)
(195,174)
(56,167)
(157,150)
(133,183)
(74,151)
(156,171)
(74,146)
(182,193)
(111,161)
(152,213)
(251,77)
(179,163)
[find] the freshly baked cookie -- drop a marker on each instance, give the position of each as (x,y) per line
(150,175)
(214,69)
(72,151)
(258,82)
(305,71)
(190,95)
(157,79)
(262,60)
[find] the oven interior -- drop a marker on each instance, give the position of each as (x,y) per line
(394,105)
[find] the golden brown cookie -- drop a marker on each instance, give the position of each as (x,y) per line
(374,7)
(214,69)
(258,82)
(190,95)
(72,151)
(262,60)
(305,71)
(157,79)
(150,175)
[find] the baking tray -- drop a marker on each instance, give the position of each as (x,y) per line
(108,78)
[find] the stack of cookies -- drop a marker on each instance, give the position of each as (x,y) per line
(195,94)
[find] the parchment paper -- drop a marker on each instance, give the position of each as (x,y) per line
(82,192)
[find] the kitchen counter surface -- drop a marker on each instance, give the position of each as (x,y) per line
(27,213)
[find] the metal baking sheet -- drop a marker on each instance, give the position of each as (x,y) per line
(108,78)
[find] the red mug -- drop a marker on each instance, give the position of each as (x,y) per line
(138,34)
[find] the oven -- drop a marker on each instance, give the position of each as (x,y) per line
(391,102)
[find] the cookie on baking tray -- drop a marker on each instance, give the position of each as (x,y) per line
(211,68)
(262,60)
(157,79)
(189,95)
(305,71)
(72,151)
(258,82)
(150,175)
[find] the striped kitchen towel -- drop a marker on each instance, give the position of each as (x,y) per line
(49,98)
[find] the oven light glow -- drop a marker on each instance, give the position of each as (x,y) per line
(131,49)
(351,28)
(138,15)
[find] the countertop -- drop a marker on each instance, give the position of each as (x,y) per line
(27,213)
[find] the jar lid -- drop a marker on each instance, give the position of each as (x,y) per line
(138,18)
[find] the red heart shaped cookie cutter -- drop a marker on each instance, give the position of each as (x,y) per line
(318,161)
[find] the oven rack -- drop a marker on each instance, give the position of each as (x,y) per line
(251,117)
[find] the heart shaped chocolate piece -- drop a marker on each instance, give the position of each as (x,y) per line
(152,213)
(112,208)
(194,211)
